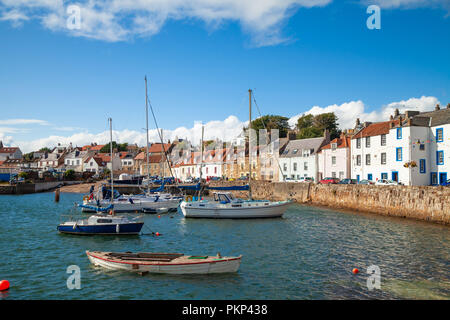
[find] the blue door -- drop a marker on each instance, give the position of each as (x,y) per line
(395,175)
(434,179)
(384,176)
(357,177)
(443,178)
(369,177)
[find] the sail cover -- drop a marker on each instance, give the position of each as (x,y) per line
(194,187)
(160,188)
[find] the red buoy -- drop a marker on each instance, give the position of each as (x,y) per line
(355,270)
(159,216)
(4,285)
(158,234)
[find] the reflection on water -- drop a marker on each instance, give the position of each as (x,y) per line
(307,254)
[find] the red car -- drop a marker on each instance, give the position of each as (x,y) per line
(329,181)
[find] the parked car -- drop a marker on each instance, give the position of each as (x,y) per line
(447,183)
(348,181)
(243,178)
(189,180)
(329,181)
(306,179)
(386,182)
(366,182)
(214,179)
(290,180)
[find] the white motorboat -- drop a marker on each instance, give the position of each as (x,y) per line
(225,205)
(171,263)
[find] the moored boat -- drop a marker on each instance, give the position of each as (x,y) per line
(226,206)
(171,263)
(102,224)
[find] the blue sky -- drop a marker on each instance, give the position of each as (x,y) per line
(200,68)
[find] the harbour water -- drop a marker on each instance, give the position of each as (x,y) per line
(307,254)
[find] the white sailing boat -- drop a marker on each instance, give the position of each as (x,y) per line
(225,205)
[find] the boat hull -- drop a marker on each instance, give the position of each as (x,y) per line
(140,206)
(108,229)
(220,266)
(270,211)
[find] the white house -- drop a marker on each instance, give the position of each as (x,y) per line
(9,152)
(94,164)
(299,158)
(74,160)
(411,148)
(334,159)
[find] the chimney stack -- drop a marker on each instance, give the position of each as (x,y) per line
(396,112)
(391,117)
(400,120)
(358,122)
(448,105)
(437,107)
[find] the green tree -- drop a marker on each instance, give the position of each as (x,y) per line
(115,145)
(310,126)
(28,156)
(45,149)
(69,174)
(23,174)
(270,122)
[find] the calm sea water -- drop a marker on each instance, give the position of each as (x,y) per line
(307,254)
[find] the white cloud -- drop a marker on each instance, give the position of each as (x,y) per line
(15,17)
(118,20)
(24,121)
(349,111)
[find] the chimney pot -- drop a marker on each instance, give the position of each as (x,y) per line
(391,117)
(437,107)
(396,112)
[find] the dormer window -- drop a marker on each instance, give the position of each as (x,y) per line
(333,146)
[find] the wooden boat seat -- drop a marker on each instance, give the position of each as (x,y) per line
(145,256)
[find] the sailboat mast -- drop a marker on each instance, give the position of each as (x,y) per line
(111,154)
(249,141)
(201,161)
(146,119)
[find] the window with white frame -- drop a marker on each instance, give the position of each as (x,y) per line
(383,139)
(368,159)
(383,158)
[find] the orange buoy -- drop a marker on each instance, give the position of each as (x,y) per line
(4,285)
(159,216)
(355,270)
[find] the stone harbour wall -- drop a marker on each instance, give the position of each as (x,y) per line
(422,203)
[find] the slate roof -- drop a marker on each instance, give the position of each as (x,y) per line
(302,144)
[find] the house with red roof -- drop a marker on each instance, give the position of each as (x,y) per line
(334,158)
(9,152)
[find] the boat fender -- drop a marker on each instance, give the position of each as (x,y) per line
(74,226)
(110,212)
(117,228)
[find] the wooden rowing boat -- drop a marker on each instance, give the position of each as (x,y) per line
(172,263)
